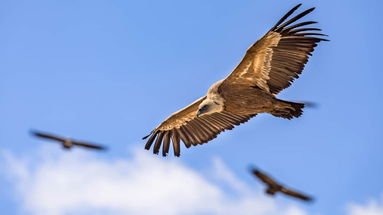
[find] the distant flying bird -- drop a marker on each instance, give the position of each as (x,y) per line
(269,66)
(274,187)
(67,143)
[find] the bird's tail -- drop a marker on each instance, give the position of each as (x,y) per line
(287,110)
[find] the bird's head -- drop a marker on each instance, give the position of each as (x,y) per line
(209,106)
(67,144)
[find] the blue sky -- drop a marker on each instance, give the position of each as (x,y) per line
(110,71)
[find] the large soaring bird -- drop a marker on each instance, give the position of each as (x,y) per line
(67,143)
(274,187)
(269,66)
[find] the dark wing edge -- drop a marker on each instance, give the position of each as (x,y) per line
(89,145)
(196,131)
(46,135)
(296,194)
(295,46)
(264,177)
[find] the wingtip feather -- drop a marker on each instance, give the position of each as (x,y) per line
(291,11)
(147,136)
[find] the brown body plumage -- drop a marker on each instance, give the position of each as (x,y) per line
(274,187)
(269,66)
(67,143)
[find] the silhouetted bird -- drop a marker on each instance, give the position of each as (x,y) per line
(67,143)
(274,187)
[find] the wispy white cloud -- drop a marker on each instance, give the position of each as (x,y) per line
(56,183)
(373,207)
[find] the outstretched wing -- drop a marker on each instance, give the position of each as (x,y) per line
(295,194)
(265,178)
(185,126)
(47,136)
(275,60)
(89,145)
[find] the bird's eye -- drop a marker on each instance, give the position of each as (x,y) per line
(204,108)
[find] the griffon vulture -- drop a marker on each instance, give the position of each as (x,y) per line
(269,66)
(66,142)
(274,187)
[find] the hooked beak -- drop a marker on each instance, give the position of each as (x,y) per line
(202,110)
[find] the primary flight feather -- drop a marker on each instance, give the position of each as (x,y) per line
(269,66)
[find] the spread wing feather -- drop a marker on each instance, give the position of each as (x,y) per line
(185,126)
(89,145)
(274,61)
(47,136)
(295,194)
(265,178)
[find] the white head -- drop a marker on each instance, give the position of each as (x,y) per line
(209,106)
